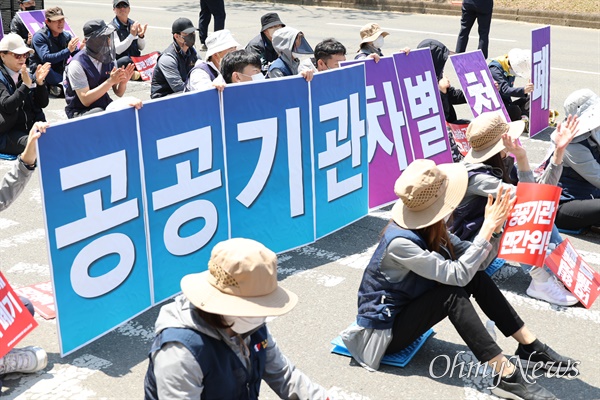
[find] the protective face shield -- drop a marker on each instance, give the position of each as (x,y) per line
(101,47)
(378,43)
(241,325)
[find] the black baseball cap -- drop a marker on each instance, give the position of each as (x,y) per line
(97,27)
(182,25)
(268,20)
(117,2)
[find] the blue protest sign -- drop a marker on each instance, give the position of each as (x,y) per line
(267,136)
(92,196)
(340,147)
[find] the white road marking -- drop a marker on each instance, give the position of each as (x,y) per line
(7,223)
(23,238)
(36,195)
(315,252)
(135,329)
(321,279)
(359,260)
(43,270)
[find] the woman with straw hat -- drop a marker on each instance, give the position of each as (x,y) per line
(212,341)
(489,168)
(420,274)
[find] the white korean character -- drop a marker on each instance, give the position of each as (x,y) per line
(570,255)
(536,241)
(2,283)
(432,135)
(541,76)
(335,153)
(483,91)
(565,273)
(8,305)
(198,141)
(544,212)
(583,286)
(397,121)
(510,243)
(522,213)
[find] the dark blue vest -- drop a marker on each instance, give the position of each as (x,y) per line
(212,73)
(279,64)
(576,187)
(379,300)
(123,32)
(225,377)
(95,79)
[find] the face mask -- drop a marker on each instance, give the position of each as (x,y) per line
(258,77)
(30,8)
(378,43)
(241,325)
(190,39)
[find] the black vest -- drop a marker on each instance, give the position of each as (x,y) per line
(95,79)
(123,32)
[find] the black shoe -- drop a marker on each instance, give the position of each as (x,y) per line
(56,91)
(548,360)
(520,389)
(203,47)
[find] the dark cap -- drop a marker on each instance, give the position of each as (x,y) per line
(54,14)
(182,25)
(116,2)
(269,20)
(97,27)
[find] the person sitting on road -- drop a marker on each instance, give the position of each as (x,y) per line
(213,342)
(16,24)
(328,55)
(130,36)
(241,66)
(291,45)
(176,62)
(52,44)
(203,74)
(372,38)
(420,274)
(262,44)
(22,97)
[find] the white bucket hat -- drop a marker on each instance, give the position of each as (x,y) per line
(585,104)
(520,62)
(219,41)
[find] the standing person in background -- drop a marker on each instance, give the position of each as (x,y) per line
(262,44)
(480,10)
(129,40)
(210,8)
(17,26)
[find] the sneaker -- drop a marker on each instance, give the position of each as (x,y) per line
(203,47)
(525,119)
(28,359)
(552,117)
(548,360)
(56,91)
(520,389)
(136,76)
(552,291)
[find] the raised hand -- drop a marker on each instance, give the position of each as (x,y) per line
(25,75)
(565,132)
(41,72)
(73,44)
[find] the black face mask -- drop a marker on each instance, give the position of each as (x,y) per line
(190,39)
(31,8)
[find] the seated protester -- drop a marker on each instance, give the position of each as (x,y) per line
(16,24)
(201,349)
(328,55)
(52,44)
(371,41)
(129,40)
(203,74)
(490,168)
(22,97)
(92,72)
(290,44)
(420,274)
(262,44)
(448,93)
(241,66)
(176,62)
(504,69)
(580,198)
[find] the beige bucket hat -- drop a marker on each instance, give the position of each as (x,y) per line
(484,134)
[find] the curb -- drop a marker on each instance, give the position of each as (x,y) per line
(419,7)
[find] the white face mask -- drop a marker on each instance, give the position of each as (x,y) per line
(378,43)
(258,77)
(243,325)
(300,56)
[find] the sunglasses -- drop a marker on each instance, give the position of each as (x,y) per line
(20,56)
(122,5)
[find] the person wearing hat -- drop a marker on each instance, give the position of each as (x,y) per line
(205,73)
(504,70)
(580,179)
(52,44)
(176,62)
(208,8)
(420,274)
(92,72)
(130,35)
(372,37)
(16,24)
(22,97)
(262,44)
(490,168)
(291,45)
(212,341)
(480,10)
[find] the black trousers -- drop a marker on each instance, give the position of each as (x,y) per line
(470,13)
(578,214)
(15,142)
(210,8)
(454,302)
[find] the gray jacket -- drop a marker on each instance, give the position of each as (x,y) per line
(13,184)
(579,157)
(179,376)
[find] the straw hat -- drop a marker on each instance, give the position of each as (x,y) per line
(586,105)
(428,193)
(484,134)
(370,33)
(520,62)
(241,281)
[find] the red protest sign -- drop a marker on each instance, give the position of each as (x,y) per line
(15,320)
(575,273)
(42,298)
(145,64)
(459,134)
(529,225)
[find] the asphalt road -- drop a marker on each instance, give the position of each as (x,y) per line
(325,274)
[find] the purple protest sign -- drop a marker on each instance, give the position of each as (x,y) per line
(34,21)
(423,106)
(1,29)
(539,110)
(389,148)
(477,83)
